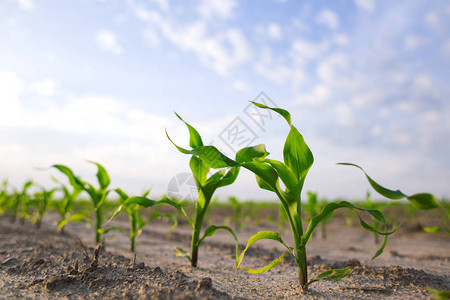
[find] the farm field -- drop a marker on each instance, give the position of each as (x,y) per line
(60,258)
(44,264)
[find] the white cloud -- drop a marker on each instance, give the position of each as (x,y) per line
(299,24)
(433,21)
(376,130)
(423,83)
(404,138)
(163,4)
(329,65)
(341,39)
(344,115)
(107,41)
(10,89)
(210,9)
(319,95)
(277,73)
(303,50)
(241,86)
(328,18)
(221,51)
(45,87)
(274,31)
(431,116)
(26,4)
(413,42)
(446,49)
(367,5)
(151,37)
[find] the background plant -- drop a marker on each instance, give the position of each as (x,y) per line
(96,195)
(5,197)
(64,207)
(136,220)
(313,207)
(41,200)
(20,202)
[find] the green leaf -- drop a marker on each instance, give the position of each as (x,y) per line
(209,154)
(284,113)
(249,153)
(195,139)
(285,173)
(439,294)
(213,157)
(178,207)
(331,207)
(102,175)
(267,176)
(199,170)
(422,200)
(297,155)
(271,235)
(211,230)
(330,275)
(182,150)
(122,194)
(272,265)
(434,229)
(73,180)
(220,179)
(229,177)
(181,253)
(76,217)
(106,230)
(173,219)
(139,200)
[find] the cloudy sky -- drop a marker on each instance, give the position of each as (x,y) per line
(366,82)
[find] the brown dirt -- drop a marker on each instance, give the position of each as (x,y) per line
(43,264)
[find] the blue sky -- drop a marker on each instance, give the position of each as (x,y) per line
(366,82)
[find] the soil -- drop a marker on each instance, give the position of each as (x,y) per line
(44,264)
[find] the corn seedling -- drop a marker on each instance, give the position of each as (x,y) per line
(132,205)
(20,201)
(202,160)
(41,201)
(313,207)
(65,205)
(97,195)
(5,197)
(298,159)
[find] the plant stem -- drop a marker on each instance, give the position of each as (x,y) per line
(98,224)
(133,231)
(200,210)
(302,267)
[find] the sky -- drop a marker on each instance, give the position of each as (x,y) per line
(366,82)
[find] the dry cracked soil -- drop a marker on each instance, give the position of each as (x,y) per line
(44,264)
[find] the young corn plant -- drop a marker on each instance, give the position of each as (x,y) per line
(298,159)
(237,216)
(65,205)
(41,201)
(5,197)
(202,160)
(137,222)
(314,206)
(20,202)
(97,195)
